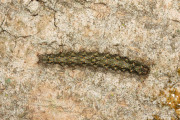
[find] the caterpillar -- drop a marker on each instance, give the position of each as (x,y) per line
(95,59)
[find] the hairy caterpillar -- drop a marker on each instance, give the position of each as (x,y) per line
(95,59)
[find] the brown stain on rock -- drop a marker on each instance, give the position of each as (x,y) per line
(101,10)
(47,102)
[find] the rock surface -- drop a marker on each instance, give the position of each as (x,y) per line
(148,31)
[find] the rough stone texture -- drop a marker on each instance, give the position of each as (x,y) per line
(142,30)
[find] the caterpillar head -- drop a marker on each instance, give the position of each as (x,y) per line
(141,69)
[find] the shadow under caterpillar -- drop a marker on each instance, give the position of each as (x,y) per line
(95,59)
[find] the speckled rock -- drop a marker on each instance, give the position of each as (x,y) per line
(147,31)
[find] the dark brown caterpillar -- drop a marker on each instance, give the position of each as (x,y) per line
(95,59)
